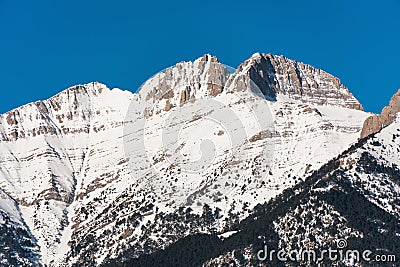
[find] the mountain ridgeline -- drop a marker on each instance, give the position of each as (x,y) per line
(204,166)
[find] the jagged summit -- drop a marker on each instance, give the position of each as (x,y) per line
(273,75)
(185,82)
(276,75)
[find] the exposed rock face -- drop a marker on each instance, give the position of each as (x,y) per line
(167,106)
(371,125)
(276,75)
(375,123)
(185,95)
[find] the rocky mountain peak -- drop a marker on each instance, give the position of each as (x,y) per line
(185,82)
(273,75)
(388,115)
(278,75)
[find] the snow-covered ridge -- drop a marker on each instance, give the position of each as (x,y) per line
(184,82)
(64,160)
(67,112)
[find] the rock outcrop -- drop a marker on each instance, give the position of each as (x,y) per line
(376,123)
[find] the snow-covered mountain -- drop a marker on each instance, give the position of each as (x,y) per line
(99,176)
(354,199)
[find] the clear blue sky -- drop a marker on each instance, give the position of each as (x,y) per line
(47,46)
